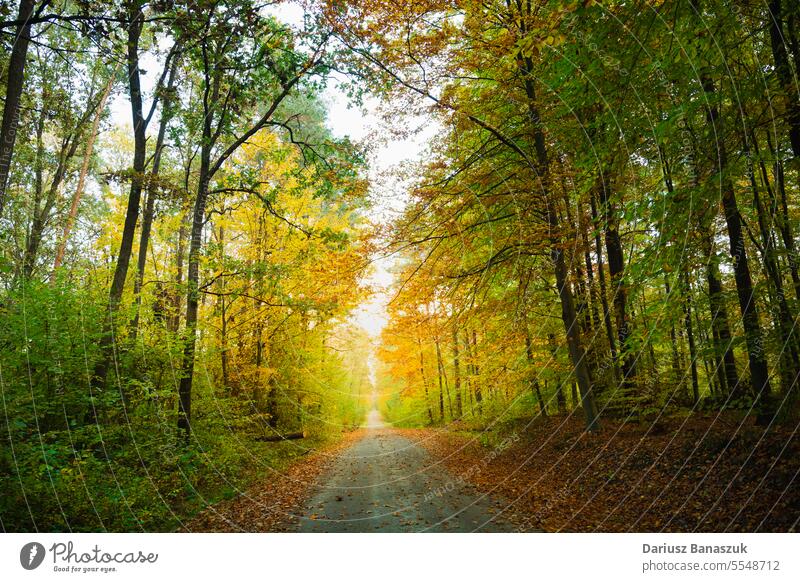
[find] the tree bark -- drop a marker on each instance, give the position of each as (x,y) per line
(424,381)
(784,73)
(568,314)
(193,276)
(759,374)
(135,25)
(687,310)
(619,289)
(474,379)
(149,210)
(14,85)
(533,382)
(281,437)
(457,374)
(612,342)
(84,171)
(440,368)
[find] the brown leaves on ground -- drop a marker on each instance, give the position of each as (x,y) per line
(275,503)
(707,474)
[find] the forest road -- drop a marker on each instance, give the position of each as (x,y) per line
(387,483)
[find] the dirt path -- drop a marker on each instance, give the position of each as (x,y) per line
(387,483)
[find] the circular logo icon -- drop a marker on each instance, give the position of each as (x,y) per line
(31,555)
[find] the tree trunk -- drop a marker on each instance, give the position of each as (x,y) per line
(781,212)
(784,73)
(587,259)
(84,171)
(687,310)
(727,375)
(571,329)
(533,382)
(193,282)
(677,371)
(561,400)
(223,315)
(136,21)
(568,314)
(272,402)
(619,289)
(457,374)
(149,210)
(281,437)
(38,187)
(424,381)
(440,368)
(612,343)
(475,380)
(174,321)
(759,374)
(784,318)
(14,85)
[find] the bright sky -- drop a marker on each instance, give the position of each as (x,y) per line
(387,190)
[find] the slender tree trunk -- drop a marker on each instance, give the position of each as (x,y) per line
(223,315)
(784,318)
(560,398)
(424,381)
(175,319)
(38,184)
(440,369)
(784,73)
(781,213)
(687,310)
(84,171)
(612,343)
(685,290)
(571,329)
(533,382)
(677,371)
(14,85)
(728,377)
(136,20)
(457,374)
(193,283)
(474,386)
(477,370)
(619,289)
(149,210)
(272,402)
(587,258)
(568,314)
(759,374)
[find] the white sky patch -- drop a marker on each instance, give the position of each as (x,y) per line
(388,190)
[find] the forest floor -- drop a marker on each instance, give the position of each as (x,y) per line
(706,473)
(701,473)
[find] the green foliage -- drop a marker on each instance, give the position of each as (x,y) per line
(82,460)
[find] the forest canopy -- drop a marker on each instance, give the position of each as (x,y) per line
(605,224)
